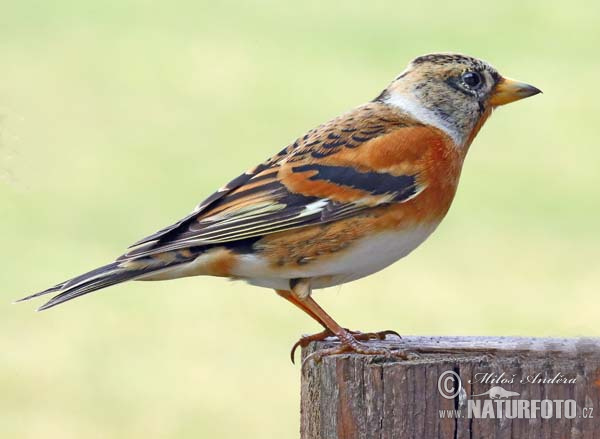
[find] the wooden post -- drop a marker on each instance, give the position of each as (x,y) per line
(354,396)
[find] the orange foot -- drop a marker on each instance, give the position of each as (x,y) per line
(349,343)
(356,336)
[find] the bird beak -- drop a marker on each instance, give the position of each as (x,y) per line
(508,90)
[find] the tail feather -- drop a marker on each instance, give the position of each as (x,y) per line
(96,283)
(72,282)
(102,277)
(114,273)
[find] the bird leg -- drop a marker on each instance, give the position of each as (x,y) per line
(326,333)
(287,295)
(300,295)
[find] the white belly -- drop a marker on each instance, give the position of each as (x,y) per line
(364,257)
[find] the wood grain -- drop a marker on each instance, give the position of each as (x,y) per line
(355,396)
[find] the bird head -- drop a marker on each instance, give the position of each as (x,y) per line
(453,92)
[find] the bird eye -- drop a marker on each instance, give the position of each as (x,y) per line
(472,79)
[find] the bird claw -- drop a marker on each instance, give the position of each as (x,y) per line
(356,336)
(352,345)
(306,339)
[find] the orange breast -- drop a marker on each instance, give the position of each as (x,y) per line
(420,150)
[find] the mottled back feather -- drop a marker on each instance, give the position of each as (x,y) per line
(262,201)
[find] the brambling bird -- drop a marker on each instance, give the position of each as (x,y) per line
(345,200)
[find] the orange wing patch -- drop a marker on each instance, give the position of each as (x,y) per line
(371,156)
(384,169)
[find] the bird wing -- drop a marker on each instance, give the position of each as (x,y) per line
(335,171)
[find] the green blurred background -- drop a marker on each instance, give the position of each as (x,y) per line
(117,117)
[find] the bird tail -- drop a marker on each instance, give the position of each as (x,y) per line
(102,277)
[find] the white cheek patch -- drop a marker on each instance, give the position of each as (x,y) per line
(424,115)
